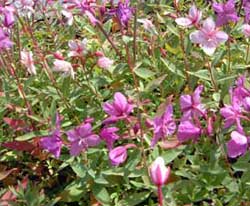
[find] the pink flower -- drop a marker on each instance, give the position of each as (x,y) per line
(208,37)
(193,18)
(118,155)
(27,60)
(104,62)
(246,30)
(191,105)
(9,18)
(159,173)
(69,16)
(65,67)
(187,130)
(163,125)
(53,143)
(226,12)
(233,113)
(81,138)
(77,48)
(109,135)
(237,145)
(118,109)
(5,42)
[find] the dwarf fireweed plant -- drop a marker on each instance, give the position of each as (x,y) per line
(99,99)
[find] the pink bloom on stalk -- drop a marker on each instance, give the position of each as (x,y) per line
(163,125)
(53,143)
(77,47)
(104,62)
(237,146)
(5,42)
(226,12)
(118,155)
(81,138)
(208,37)
(25,6)
(232,113)
(27,60)
(69,16)
(9,18)
(109,136)
(148,25)
(118,109)
(65,67)
(246,30)
(193,18)
(191,105)
(240,92)
(246,104)
(159,173)
(187,130)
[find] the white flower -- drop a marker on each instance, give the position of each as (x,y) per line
(27,60)
(65,67)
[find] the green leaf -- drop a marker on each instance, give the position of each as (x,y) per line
(79,169)
(73,192)
(134,199)
(202,74)
(144,73)
(171,154)
(31,135)
(101,194)
(171,67)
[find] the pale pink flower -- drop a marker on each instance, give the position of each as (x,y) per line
(104,62)
(246,30)
(148,25)
(193,18)
(27,60)
(159,173)
(64,67)
(69,16)
(208,36)
(77,47)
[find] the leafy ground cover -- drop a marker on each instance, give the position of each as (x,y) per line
(124,102)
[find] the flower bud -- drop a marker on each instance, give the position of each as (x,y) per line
(159,173)
(118,155)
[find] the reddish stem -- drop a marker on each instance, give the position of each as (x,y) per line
(160,195)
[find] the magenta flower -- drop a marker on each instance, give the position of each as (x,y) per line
(163,125)
(191,105)
(5,42)
(240,92)
(109,135)
(208,36)
(187,130)
(232,113)
(193,18)
(237,145)
(226,12)
(81,138)
(118,155)
(53,143)
(246,6)
(118,109)
(159,173)
(9,18)
(123,12)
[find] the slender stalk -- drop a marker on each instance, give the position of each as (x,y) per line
(134,37)
(109,40)
(229,56)
(212,76)
(247,55)
(160,195)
